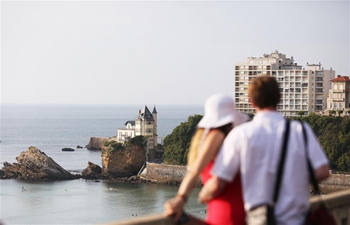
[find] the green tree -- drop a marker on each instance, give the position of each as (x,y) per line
(176,144)
(301,113)
(333,134)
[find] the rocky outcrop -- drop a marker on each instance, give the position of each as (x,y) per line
(124,162)
(35,165)
(96,143)
(92,171)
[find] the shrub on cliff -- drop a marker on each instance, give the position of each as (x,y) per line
(176,144)
(138,140)
(112,146)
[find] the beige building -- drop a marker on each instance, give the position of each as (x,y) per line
(146,125)
(302,89)
(339,95)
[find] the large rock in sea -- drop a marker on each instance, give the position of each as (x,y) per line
(35,165)
(122,160)
(92,171)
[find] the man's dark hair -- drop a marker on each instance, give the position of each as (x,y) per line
(264,92)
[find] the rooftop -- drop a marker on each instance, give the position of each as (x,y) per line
(341,79)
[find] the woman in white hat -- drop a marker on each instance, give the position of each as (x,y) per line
(220,116)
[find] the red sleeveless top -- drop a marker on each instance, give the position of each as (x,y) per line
(228,208)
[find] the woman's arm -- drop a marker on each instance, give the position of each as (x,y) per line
(211,189)
(207,152)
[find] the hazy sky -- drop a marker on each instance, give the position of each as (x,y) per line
(157,52)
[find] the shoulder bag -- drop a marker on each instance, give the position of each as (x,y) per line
(320,215)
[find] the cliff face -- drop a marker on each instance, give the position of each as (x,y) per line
(35,165)
(123,162)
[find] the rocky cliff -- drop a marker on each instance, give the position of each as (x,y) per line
(122,160)
(35,165)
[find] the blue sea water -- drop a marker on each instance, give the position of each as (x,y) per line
(53,127)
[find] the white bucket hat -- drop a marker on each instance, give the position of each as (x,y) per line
(219,110)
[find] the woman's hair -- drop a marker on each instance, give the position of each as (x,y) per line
(197,139)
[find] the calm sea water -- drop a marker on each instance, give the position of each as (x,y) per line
(52,127)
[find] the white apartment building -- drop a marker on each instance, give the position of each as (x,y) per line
(302,89)
(339,95)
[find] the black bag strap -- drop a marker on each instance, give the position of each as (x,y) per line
(313,179)
(281,163)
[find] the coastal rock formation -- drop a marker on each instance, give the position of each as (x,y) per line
(92,171)
(35,165)
(122,161)
(96,143)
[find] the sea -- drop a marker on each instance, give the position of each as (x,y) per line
(53,127)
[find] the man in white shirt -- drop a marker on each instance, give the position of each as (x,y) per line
(253,149)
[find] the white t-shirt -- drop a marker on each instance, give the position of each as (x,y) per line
(254,149)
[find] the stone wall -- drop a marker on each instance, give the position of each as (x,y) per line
(165,172)
(338,179)
(96,143)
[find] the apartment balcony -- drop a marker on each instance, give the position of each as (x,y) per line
(338,99)
(338,91)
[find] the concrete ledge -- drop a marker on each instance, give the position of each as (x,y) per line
(338,204)
(157,219)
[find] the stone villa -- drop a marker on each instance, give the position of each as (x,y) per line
(145,124)
(339,94)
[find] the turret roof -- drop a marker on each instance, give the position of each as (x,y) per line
(154,110)
(145,114)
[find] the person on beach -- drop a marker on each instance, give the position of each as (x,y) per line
(253,151)
(219,118)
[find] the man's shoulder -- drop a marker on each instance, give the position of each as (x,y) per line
(243,128)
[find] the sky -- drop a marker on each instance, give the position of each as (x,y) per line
(157,52)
